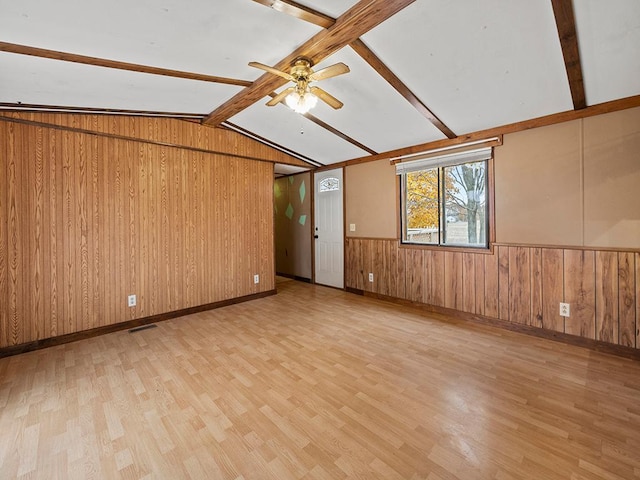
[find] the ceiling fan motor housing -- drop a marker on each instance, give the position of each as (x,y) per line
(301,69)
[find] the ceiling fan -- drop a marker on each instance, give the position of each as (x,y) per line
(302,97)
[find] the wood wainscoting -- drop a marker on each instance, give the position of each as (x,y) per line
(516,283)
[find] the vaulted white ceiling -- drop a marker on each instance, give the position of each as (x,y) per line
(473,65)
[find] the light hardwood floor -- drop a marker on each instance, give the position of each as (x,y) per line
(315,383)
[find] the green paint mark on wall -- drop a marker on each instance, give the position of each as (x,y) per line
(303,191)
(302,220)
(276,190)
(289,212)
(291,179)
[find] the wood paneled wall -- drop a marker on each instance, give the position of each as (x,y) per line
(87,220)
(518,284)
(165,131)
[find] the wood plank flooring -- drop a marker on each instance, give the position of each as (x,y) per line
(315,383)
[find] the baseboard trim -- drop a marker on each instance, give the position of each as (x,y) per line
(294,277)
(357,291)
(596,345)
(138,322)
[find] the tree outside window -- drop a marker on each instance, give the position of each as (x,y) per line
(446,205)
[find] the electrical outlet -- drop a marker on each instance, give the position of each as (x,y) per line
(565,309)
(131,300)
(371,277)
(256,279)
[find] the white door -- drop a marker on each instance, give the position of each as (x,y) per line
(328,229)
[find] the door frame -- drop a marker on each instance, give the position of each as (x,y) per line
(313,217)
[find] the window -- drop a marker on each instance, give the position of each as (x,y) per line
(329,184)
(444,199)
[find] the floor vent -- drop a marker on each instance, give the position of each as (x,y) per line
(144,327)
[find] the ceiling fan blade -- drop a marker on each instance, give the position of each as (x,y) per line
(279,97)
(332,71)
(326,97)
(269,69)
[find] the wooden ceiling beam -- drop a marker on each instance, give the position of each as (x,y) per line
(299,11)
(312,16)
(338,133)
(101,62)
(356,21)
(31,107)
(329,128)
(555,118)
(391,78)
(333,130)
(566,24)
(265,141)
(302,12)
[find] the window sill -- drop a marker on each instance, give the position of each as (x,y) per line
(452,248)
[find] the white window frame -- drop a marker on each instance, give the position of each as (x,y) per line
(428,162)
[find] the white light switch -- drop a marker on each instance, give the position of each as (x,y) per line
(352,227)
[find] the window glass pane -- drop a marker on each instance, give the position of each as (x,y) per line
(465,204)
(329,184)
(421,213)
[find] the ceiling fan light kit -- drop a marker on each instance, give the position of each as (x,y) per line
(301,103)
(301,98)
